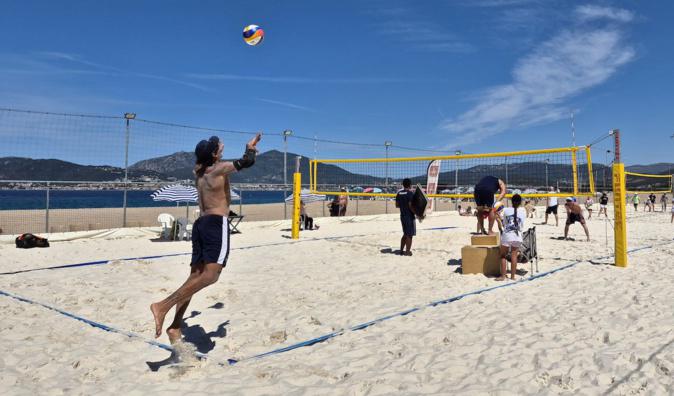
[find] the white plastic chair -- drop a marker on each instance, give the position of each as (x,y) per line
(166,221)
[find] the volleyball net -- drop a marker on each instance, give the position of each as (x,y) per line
(534,173)
(641,183)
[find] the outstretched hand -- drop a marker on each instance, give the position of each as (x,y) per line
(252,144)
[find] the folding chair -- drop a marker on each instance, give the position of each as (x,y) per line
(234,223)
(528,253)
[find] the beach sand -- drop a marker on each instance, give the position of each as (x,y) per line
(591,328)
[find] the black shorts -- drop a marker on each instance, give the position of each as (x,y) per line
(483,197)
(575,218)
(409,226)
(210,240)
(551,209)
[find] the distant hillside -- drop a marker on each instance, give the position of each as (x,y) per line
(661,168)
(15,168)
(268,169)
(179,165)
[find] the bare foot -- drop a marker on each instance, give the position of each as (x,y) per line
(158,319)
(174,335)
(500,278)
(407,253)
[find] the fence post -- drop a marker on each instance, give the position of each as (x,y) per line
(46,220)
(128,117)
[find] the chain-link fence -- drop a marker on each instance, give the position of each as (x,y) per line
(71,172)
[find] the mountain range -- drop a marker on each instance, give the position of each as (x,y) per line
(268,169)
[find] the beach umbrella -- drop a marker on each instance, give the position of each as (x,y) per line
(357,189)
(177,193)
(234,195)
(306,196)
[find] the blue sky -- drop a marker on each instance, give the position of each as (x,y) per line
(480,75)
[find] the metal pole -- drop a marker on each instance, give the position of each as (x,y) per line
(285,175)
(387,144)
(456,172)
(128,117)
(240,202)
(506,170)
(47,212)
(573,129)
(286,133)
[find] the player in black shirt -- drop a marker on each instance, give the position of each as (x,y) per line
(484,193)
(404,203)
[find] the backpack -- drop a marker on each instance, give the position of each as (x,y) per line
(27,241)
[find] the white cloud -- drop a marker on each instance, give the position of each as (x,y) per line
(42,66)
(499,3)
(299,80)
(571,62)
(594,12)
(285,104)
(417,33)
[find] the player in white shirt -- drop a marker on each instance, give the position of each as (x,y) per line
(511,237)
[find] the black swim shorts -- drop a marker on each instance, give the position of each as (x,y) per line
(551,209)
(409,226)
(210,240)
(575,218)
(483,197)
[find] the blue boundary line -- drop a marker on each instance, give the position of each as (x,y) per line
(103,262)
(322,338)
(88,321)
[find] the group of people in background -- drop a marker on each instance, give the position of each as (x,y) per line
(650,202)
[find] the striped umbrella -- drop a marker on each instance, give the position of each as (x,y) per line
(306,197)
(176,193)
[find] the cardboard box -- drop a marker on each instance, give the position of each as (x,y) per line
(485,240)
(481,260)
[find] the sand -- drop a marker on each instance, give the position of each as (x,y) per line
(590,329)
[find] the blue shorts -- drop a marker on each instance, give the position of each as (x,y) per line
(210,240)
(409,226)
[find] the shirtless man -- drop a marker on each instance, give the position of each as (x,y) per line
(210,233)
(574,213)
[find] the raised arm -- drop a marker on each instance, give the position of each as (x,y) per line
(246,161)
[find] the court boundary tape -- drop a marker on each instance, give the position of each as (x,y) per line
(325,337)
(104,262)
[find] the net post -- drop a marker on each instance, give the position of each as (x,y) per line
(46,216)
(297,186)
(588,154)
(311,175)
(619,205)
(574,161)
